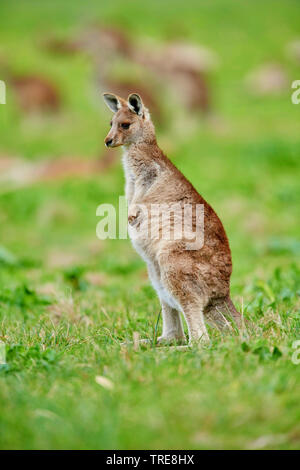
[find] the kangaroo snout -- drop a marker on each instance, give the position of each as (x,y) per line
(108,142)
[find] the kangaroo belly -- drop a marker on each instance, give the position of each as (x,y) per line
(138,230)
(147,248)
(144,233)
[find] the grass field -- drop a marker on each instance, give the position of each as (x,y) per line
(67,299)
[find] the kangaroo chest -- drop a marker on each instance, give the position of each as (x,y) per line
(139,180)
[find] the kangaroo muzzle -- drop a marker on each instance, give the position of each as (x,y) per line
(108,142)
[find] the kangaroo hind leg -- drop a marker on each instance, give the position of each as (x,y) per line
(172,325)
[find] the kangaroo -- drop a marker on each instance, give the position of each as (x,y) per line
(193,281)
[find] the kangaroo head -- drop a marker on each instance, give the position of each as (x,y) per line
(131,120)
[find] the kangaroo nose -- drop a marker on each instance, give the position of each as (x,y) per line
(108,142)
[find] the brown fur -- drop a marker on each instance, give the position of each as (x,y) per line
(195,282)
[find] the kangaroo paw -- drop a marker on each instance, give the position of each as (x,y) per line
(164,340)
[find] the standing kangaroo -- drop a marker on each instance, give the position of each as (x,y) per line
(195,282)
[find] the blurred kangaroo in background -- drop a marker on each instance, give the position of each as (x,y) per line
(193,281)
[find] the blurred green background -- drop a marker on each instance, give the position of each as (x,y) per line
(217,78)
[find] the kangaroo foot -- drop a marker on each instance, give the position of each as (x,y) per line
(165,340)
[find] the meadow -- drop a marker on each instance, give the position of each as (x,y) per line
(68,299)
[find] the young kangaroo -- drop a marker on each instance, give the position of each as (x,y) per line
(193,281)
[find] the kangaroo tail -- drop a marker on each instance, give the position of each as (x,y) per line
(218,311)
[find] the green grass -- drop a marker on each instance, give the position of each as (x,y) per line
(63,325)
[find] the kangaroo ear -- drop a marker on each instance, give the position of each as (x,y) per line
(112,101)
(135,103)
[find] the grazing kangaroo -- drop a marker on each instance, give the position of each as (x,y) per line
(193,281)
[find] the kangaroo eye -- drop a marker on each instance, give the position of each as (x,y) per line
(125,125)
